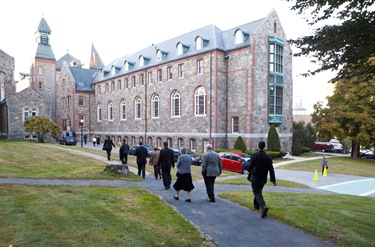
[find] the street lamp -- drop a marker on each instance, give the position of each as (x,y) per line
(81,125)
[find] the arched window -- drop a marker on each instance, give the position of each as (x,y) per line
(110,111)
(180,49)
(99,112)
(137,108)
(155,106)
(200,102)
(176,104)
(239,37)
(123,110)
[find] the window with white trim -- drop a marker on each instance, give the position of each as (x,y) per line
(170,72)
(123,110)
(141,80)
(200,102)
(149,77)
(133,81)
(110,111)
(137,108)
(198,43)
(81,100)
(40,70)
(160,75)
(200,66)
(235,124)
(181,71)
(99,112)
(155,106)
(176,104)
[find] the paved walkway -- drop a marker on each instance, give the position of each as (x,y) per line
(226,223)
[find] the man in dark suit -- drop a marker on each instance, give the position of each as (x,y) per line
(260,164)
(211,168)
(108,144)
(123,152)
(165,162)
(141,153)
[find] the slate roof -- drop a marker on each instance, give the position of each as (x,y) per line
(216,38)
(67,58)
(83,78)
(44,50)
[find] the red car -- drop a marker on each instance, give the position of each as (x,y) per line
(232,161)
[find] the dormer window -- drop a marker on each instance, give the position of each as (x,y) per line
(113,70)
(160,55)
(200,43)
(128,65)
(143,60)
(181,49)
(240,37)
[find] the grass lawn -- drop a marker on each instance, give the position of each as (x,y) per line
(338,165)
(340,219)
(90,216)
(243,181)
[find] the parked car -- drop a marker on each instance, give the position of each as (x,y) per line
(244,156)
(67,140)
(323,146)
(149,148)
(368,154)
(195,158)
(232,161)
(337,146)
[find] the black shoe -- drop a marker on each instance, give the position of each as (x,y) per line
(166,188)
(210,200)
(176,198)
(187,200)
(264,212)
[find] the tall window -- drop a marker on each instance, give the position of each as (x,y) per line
(155,106)
(200,66)
(133,81)
(137,108)
(180,49)
(160,75)
(126,83)
(180,142)
(141,79)
(119,85)
(150,77)
(176,104)
(193,144)
(98,89)
(106,88)
(40,70)
(198,43)
(235,124)
(112,86)
(170,73)
(110,111)
(26,113)
(99,112)
(275,80)
(123,110)
(81,100)
(200,102)
(181,70)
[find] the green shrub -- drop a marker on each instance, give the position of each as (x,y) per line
(296,147)
(306,150)
(273,140)
(240,144)
(283,153)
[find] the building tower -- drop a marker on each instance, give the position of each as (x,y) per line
(43,68)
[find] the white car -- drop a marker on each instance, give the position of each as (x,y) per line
(337,146)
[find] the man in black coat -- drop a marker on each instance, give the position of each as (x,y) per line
(108,144)
(141,153)
(124,150)
(165,162)
(260,165)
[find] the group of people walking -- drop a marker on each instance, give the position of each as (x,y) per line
(163,160)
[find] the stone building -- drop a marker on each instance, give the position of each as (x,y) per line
(205,86)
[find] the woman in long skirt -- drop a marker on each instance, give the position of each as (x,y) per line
(184,180)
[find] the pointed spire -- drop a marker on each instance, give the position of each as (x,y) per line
(95,60)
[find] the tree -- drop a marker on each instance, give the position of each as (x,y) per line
(350,112)
(41,126)
(305,134)
(273,140)
(348,46)
(240,144)
(296,147)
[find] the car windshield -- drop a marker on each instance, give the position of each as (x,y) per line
(245,156)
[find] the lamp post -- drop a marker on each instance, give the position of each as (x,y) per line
(81,125)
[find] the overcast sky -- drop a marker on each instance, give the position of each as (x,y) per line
(118,27)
